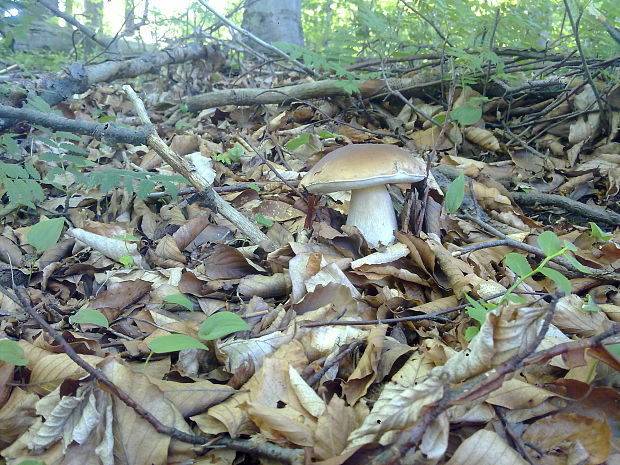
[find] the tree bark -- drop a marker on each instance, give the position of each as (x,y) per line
(274,21)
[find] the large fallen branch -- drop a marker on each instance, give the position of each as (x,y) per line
(117,134)
(319,89)
(78,78)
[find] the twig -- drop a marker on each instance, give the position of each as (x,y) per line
(510,431)
(316,377)
(591,212)
(586,70)
(181,166)
(273,169)
(291,456)
(428,21)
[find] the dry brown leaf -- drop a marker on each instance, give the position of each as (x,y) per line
(485,447)
(365,372)
(482,137)
(564,435)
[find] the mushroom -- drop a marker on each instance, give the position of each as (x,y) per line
(365,169)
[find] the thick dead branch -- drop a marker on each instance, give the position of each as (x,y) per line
(318,89)
(78,78)
(109,132)
(589,212)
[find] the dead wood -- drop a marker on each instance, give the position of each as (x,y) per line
(78,78)
(319,89)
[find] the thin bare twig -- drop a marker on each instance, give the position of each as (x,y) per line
(291,456)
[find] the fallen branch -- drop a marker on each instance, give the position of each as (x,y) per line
(115,134)
(78,78)
(183,167)
(590,212)
(307,90)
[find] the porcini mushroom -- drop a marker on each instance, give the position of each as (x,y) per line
(365,169)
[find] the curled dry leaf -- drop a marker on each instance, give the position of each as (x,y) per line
(482,137)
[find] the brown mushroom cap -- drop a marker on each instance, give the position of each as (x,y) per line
(363,165)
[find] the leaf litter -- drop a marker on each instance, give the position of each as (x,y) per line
(345,350)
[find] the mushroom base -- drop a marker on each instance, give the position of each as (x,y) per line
(372,212)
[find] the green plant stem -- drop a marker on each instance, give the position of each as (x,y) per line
(541,265)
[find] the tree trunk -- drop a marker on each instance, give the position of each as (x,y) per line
(274,21)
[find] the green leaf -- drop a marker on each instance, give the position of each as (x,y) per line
(476,310)
(45,234)
(455,194)
(31,462)
(174,342)
(236,153)
(518,264)
(517,299)
(179,299)
(297,142)
(576,263)
(126,237)
(570,246)
(68,135)
(561,281)
(466,115)
(88,316)
(591,305)
(254,187)
(37,103)
(614,350)
(126,260)
(326,134)
(221,324)
(260,219)
(350,87)
(598,233)
(471,332)
(223,158)
(11,352)
(549,242)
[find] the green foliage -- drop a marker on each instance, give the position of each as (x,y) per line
(174,342)
(218,325)
(260,219)
(231,156)
(179,299)
(11,352)
(590,306)
(88,316)
(466,115)
(551,245)
(598,233)
(221,324)
(455,193)
(45,234)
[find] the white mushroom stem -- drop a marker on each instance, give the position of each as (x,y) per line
(372,212)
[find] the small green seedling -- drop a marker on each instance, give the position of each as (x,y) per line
(598,233)
(179,299)
(214,327)
(89,316)
(221,324)
(455,193)
(550,244)
(260,219)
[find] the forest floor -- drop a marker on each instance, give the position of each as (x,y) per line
(486,332)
